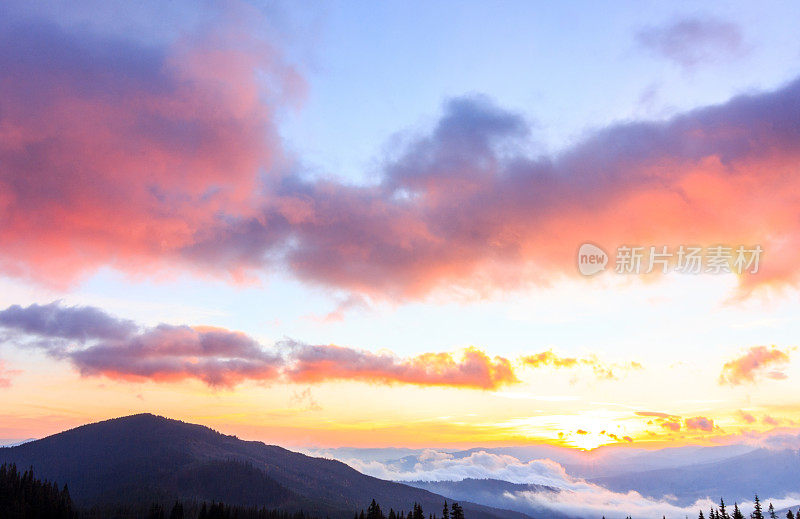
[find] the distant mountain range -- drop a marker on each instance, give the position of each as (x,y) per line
(770,473)
(143,458)
(675,476)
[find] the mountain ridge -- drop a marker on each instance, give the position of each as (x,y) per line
(146,456)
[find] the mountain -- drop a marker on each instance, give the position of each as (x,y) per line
(770,473)
(493,492)
(142,458)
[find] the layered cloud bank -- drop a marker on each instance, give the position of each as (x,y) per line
(99,344)
(156,156)
(551,488)
(573,496)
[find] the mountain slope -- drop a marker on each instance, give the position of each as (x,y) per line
(770,473)
(145,457)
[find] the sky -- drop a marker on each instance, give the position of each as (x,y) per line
(359,224)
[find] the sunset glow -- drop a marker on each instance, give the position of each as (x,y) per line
(357,225)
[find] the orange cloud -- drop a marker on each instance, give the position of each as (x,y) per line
(473,368)
(758,361)
(548,358)
(601,371)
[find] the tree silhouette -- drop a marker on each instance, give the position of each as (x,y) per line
(722,513)
(23,496)
(757,511)
(374,511)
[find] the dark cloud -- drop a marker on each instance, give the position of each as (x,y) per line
(166,353)
(691,41)
(65,322)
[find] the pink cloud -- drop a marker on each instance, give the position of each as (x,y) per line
(151,158)
(98,344)
(757,361)
(747,417)
(452,210)
(671,425)
(7,374)
(120,153)
(700,423)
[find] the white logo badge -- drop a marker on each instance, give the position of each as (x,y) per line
(591,259)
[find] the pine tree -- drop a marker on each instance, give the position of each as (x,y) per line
(445,511)
(772,513)
(789,515)
(457,511)
(722,513)
(757,512)
(374,511)
(701,516)
(737,514)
